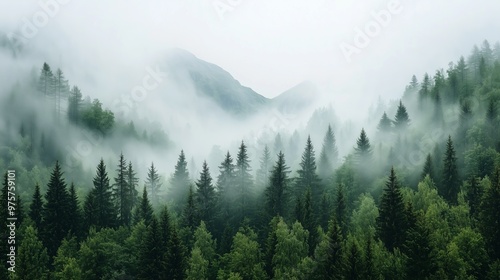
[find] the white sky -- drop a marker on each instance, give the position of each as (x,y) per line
(269,46)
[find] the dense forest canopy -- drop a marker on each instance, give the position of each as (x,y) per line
(415,196)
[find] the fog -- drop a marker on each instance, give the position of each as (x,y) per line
(109,48)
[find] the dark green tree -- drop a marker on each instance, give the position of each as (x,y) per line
(151,255)
(450,185)
(36,208)
(308,178)
(391,222)
(428,168)
(153,184)
(474,195)
(74,212)
(56,218)
(99,208)
(329,154)
(277,190)
(332,266)
(176,257)
(401,120)
(354,262)
(144,211)
(419,251)
(225,191)
(489,219)
(190,217)
(341,214)
(205,196)
(122,195)
(133,182)
(180,182)
(243,180)
(385,124)
(32,261)
(363,148)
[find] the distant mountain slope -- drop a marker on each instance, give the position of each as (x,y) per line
(215,83)
(297,98)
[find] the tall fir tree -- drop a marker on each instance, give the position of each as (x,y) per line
(176,257)
(363,148)
(243,181)
(225,189)
(329,155)
(144,211)
(151,254)
(277,190)
(74,212)
(189,218)
(419,251)
(153,184)
(354,261)
(122,195)
(36,208)
(489,218)
(99,208)
(205,196)
(341,214)
(428,169)
(391,222)
(180,183)
(385,124)
(55,219)
(401,120)
(133,182)
(332,265)
(450,185)
(264,170)
(474,194)
(308,178)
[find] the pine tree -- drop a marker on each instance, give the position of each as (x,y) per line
(180,182)
(391,223)
(264,171)
(277,190)
(205,196)
(36,208)
(332,266)
(225,189)
(418,249)
(153,184)
(75,103)
(46,81)
(74,212)
(99,209)
(55,219)
(341,209)
(144,211)
(32,260)
(329,154)
(308,178)
(451,183)
(122,194)
(489,219)
(151,255)
(363,148)
(385,124)
(401,120)
(176,258)
(190,213)
(61,90)
(243,180)
(133,182)
(428,168)
(354,262)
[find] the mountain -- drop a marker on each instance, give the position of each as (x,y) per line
(213,82)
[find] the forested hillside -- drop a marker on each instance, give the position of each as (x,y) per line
(416,197)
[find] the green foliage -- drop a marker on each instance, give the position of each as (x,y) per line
(97,118)
(291,250)
(32,260)
(278,188)
(205,196)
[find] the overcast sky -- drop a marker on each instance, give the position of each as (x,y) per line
(267,45)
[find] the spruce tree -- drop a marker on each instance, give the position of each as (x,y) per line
(190,217)
(473,196)
(151,254)
(324,211)
(144,211)
(180,182)
(36,208)
(363,148)
(385,124)
(100,211)
(309,221)
(451,183)
(122,195)
(428,168)
(391,222)
(153,184)
(176,257)
(133,182)
(341,209)
(329,154)
(354,262)
(332,266)
(308,178)
(489,218)
(419,251)
(264,170)
(401,120)
(243,181)
(74,212)
(205,196)
(225,189)
(55,219)
(277,190)
(270,246)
